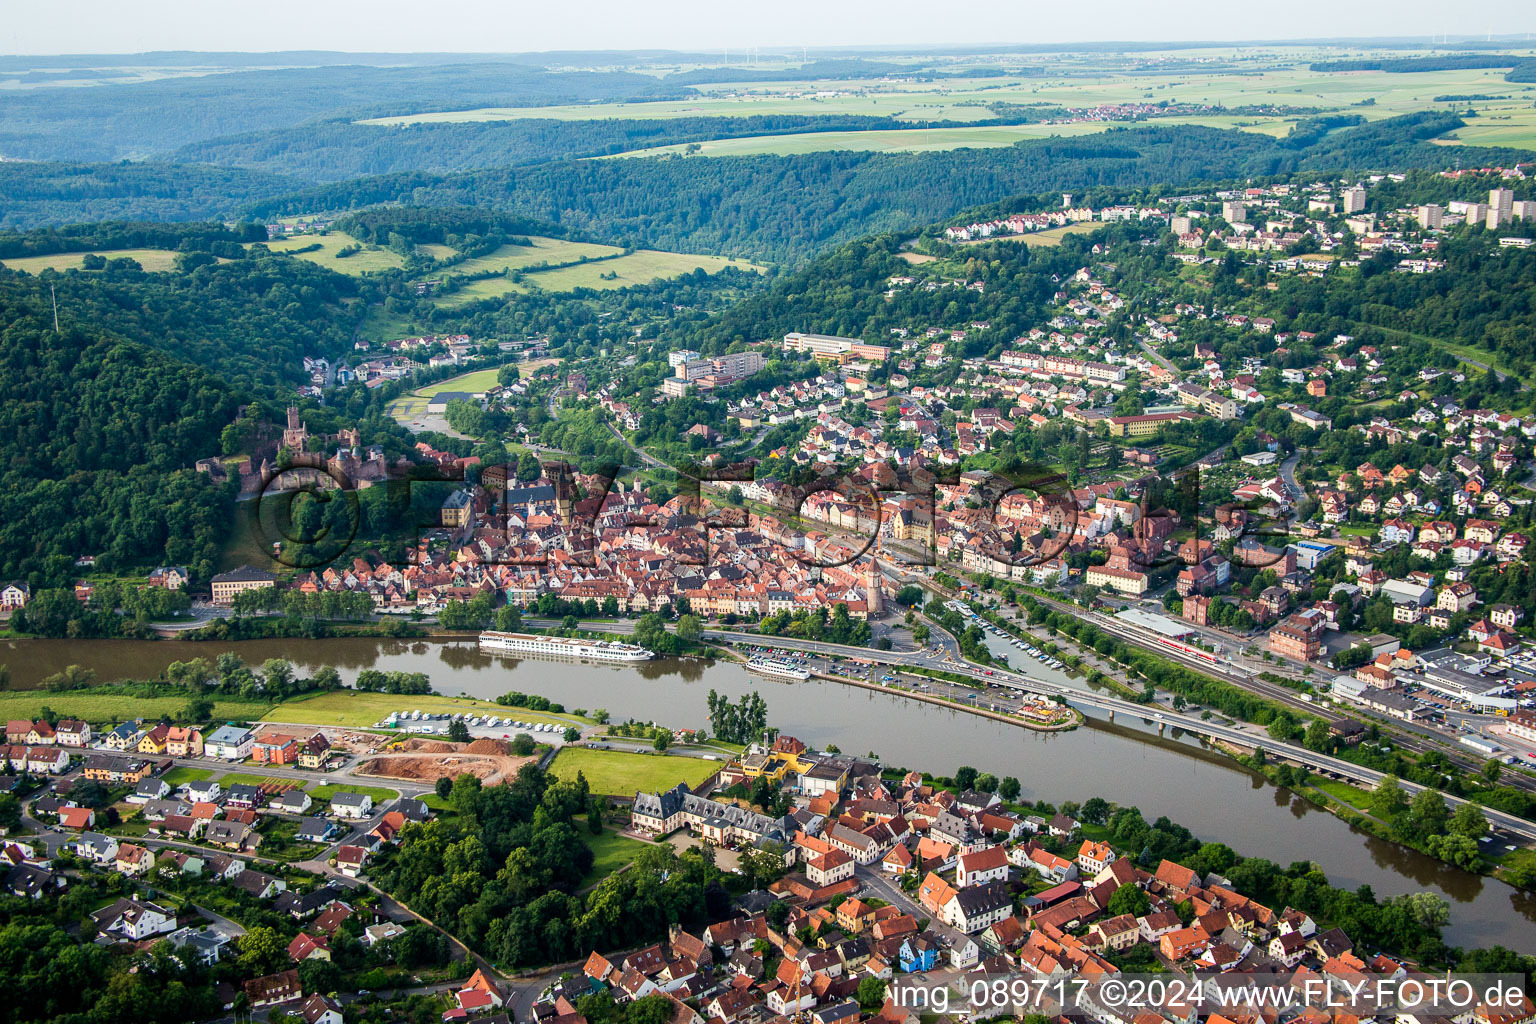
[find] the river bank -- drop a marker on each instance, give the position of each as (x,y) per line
(1125,761)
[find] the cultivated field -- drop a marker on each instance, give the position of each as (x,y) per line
(150,259)
(1267,76)
(543,250)
(640,267)
(371,258)
(621,773)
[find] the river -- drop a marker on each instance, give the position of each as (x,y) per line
(1125,762)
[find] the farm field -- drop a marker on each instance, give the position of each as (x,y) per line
(543,250)
(154,260)
(640,267)
(111,707)
(371,258)
(1270,75)
(621,773)
(920,140)
(361,709)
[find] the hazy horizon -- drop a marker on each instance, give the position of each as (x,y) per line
(484,27)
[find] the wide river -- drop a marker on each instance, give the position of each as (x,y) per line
(1124,761)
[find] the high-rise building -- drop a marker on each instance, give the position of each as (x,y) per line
(1234,213)
(1431,217)
(1500,206)
(1181,225)
(1523,209)
(1354,199)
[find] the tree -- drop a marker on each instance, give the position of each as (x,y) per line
(522,745)
(458,731)
(965,777)
(1427,815)
(1009,789)
(1095,810)
(1468,820)
(663,740)
(870,994)
(1129,899)
(1388,800)
(442,787)
(262,950)
(689,630)
(571,734)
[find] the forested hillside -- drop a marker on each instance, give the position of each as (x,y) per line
(337,150)
(97,440)
(250,320)
(37,194)
(113,122)
(784,208)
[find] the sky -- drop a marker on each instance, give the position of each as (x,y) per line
(507,26)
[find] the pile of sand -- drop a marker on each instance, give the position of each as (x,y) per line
(420,746)
(487,745)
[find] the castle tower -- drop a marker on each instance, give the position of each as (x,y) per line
(873,601)
(296,433)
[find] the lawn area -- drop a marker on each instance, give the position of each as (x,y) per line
(371,258)
(1050,236)
(610,851)
(621,773)
(1354,796)
(149,259)
(111,707)
(181,776)
(361,709)
(323,794)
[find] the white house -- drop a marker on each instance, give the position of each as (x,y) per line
(135,919)
(230,743)
(351,805)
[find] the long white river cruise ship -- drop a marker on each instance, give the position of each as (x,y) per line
(562,647)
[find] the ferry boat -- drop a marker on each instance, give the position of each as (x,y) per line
(769,667)
(562,647)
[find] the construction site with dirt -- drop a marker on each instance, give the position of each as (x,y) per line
(426,761)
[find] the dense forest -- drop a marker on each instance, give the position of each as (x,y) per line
(98,438)
(41,194)
(114,122)
(337,150)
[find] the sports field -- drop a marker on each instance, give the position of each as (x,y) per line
(150,259)
(371,258)
(621,773)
